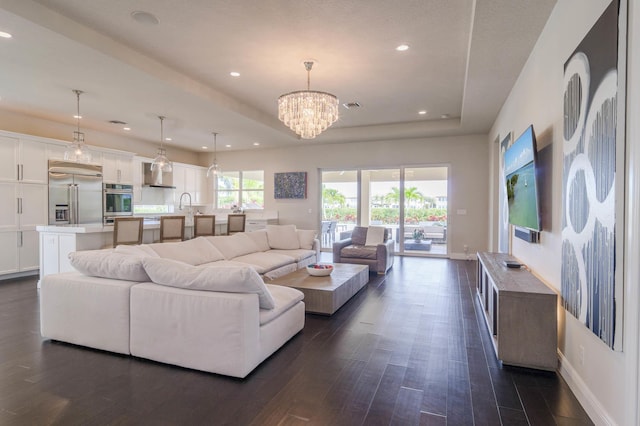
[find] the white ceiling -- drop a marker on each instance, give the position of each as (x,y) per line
(464,57)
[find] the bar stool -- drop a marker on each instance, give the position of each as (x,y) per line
(171,228)
(235,223)
(204,225)
(127,230)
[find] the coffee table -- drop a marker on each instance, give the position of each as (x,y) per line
(325,295)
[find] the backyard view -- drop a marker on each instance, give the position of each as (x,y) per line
(376,197)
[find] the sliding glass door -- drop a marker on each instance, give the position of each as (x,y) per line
(410,201)
(425,211)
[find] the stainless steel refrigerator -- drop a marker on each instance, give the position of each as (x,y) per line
(75,193)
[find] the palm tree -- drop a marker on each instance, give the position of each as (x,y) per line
(333,198)
(411,195)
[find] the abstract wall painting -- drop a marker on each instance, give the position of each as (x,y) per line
(503,202)
(292,185)
(591,290)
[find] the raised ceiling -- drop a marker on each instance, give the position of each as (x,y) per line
(464,57)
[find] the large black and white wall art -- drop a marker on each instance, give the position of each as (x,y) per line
(503,202)
(591,291)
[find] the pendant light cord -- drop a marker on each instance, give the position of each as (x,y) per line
(161,117)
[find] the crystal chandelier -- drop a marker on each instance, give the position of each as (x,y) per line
(161,162)
(214,168)
(77,151)
(308,112)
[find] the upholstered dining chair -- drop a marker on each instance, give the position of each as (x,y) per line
(127,230)
(171,228)
(204,225)
(235,223)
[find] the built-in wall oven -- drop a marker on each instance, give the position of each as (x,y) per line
(118,201)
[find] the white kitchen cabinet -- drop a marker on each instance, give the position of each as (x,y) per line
(9,158)
(23,160)
(191,179)
(32,206)
(9,218)
(33,162)
(19,251)
(23,207)
(179,182)
(117,168)
(9,258)
(28,250)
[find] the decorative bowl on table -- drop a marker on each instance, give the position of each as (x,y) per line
(319,269)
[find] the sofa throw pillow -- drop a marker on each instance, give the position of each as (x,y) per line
(227,279)
(283,237)
(194,252)
(306,237)
(233,245)
(359,235)
(108,264)
(259,237)
(375,236)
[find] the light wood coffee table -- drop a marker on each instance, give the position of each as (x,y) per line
(325,295)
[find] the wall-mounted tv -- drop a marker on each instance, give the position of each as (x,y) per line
(520,167)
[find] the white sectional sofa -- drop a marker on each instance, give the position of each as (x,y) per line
(199,304)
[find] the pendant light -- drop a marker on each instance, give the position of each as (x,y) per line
(77,151)
(161,162)
(214,168)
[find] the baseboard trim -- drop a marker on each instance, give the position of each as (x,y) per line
(462,256)
(589,402)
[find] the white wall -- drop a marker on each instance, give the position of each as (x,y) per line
(603,383)
(465,155)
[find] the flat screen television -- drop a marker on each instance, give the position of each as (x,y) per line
(520,170)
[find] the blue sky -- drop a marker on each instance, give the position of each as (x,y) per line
(520,153)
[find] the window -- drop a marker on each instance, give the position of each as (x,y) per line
(241,188)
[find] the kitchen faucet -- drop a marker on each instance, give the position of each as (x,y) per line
(180,205)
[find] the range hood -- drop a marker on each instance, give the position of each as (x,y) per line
(156,178)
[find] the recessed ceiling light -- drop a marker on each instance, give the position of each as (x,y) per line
(5,35)
(256,144)
(126,128)
(145,18)
(228,146)
(423,112)
(204,147)
(402,47)
(168,139)
(234,74)
(77,116)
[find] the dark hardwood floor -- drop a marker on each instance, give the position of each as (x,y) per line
(409,349)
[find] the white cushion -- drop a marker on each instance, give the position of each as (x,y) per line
(141,250)
(264,262)
(297,254)
(108,264)
(259,237)
(283,237)
(194,252)
(209,278)
(234,245)
(284,297)
(306,237)
(375,236)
